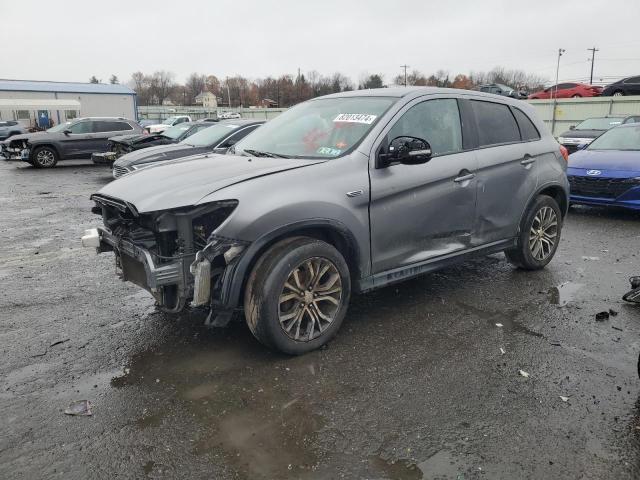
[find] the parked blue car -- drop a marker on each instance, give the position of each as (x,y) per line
(607,171)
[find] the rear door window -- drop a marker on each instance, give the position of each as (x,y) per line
(528,130)
(495,122)
(111,126)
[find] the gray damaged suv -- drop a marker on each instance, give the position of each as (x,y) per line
(339,195)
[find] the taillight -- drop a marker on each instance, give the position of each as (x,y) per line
(564,152)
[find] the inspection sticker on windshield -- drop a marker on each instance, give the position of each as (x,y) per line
(334,152)
(355,118)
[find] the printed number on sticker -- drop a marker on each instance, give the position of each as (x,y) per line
(355,118)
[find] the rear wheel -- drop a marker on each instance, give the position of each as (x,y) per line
(297,295)
(618,93)
(44,157)
(539,236)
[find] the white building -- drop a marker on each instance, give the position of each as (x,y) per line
(27,101)
(207,100)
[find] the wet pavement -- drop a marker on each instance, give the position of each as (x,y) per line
(415,385)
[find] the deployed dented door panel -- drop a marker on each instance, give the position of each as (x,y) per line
(507,172)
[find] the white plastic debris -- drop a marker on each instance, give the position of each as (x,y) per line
(523,373)
(564,399)
(81,407)
(502,351)
(499,325)
(591,259)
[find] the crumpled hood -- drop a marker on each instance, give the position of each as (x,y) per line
(157,153)
(582,133)
(128,139)
(620,160)
(185,182)
(27,136)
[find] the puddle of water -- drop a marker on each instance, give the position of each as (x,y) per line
(396,470)
(443,465)
(564,293)
(507,319)
(257,410)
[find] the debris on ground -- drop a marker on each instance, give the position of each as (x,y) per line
(58,342)
(564,399)
(612,312)
(80,408)
(499,325)
(523,373)
(591,259)
(502,351)
(602,316)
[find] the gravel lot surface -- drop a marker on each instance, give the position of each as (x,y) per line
(414,386)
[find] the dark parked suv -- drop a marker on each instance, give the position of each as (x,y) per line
(71,140)
(338,195)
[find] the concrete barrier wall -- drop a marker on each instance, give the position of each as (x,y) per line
(571,111)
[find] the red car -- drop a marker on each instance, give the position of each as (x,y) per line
(568,90)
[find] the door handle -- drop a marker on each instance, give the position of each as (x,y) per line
(464,178)
(527,160)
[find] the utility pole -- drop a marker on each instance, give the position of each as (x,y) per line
(555,97)
(228,92)
(593,58)
(405,73)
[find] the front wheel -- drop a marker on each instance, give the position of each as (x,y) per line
(539,235)
(618,93)
(297,295)
(44,157)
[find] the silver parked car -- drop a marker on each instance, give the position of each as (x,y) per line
(8,128)
(338,195)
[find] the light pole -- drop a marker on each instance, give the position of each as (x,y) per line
(555,97)
(593,58)
(405,73)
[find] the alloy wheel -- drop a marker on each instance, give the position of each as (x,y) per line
(310,299)
(543,233)
(45,158)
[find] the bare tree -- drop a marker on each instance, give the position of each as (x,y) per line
(113,79)
(195,84)
(160,85)
(94,79)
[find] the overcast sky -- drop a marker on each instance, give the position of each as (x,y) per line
(74,39)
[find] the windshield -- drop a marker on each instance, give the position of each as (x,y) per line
(599,123)
(623,138)
(176,131)
(170,121)
(211,136)
(325,128)
(60,127)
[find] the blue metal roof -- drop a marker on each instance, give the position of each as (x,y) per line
(63,87)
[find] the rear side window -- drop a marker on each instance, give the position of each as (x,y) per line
(632,80)
(495,122)
(436,121)
(528,130)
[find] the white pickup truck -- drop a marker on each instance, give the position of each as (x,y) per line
(168,122)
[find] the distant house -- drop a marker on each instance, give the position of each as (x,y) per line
(268,103)
(207,100)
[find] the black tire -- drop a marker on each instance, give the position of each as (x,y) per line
(44,157)
(266,288)
(526,256)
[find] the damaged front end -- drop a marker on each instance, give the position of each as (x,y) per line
(173,254)
(15,149)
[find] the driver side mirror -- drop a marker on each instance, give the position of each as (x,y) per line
(66,132)
(572,127)
(406,150)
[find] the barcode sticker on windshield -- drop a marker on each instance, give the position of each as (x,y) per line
(355,118)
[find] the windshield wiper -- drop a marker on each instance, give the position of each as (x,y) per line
(258,153)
